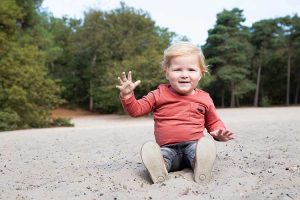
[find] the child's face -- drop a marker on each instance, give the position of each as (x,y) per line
(184,73)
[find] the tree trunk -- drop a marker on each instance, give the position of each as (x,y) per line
(297,92)
(223,98)
(288,75)
(91,107)
(232,101)
(257,84)
(237,100)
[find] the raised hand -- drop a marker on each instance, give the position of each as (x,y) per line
(222,135)
(126,86)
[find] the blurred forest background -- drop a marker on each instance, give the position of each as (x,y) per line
(46,62)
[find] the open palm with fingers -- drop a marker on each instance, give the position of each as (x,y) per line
(126,86)
(222,135)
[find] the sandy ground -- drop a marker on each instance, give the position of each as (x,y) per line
(99,159)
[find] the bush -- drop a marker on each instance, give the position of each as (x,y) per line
(61,122)
(265,101)
(9,120)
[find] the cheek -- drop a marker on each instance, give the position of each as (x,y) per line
(171,76)
(196,80)
(197,77)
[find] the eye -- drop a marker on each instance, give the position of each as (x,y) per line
(176,69)
(192,69)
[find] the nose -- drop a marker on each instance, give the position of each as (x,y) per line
(184,74)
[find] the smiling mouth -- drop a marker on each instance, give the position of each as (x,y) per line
(184,82)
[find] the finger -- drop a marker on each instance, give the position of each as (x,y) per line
(120,81)
(229,134)
(136,83)
(230,137)
(226,133)
(119,87)
(123,76)
(129,76)
(220,132)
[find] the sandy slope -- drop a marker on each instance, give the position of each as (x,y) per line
(99,159)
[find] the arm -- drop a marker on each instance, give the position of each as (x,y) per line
(133,107)
(215,126)
(212,119)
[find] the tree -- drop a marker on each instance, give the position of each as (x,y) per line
(264,34)
(108,43)
(92,44)
(26,93)
(290,35)
(135,44)
(228,51)
(296,71)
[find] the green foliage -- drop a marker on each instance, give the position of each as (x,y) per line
(9,120)
(107,100)
(44,59)
(275,42)
(10,13)
(88,56)
(206,80)
(265,101)
(25,88)
(105,45)
(61,122)
(27,95)
(228,51)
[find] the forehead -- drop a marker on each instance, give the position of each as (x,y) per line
(192,59)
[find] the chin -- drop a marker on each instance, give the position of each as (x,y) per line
(184,92)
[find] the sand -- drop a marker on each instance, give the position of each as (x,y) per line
(99,159)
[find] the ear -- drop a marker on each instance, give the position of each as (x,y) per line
(201,74)
(166,73)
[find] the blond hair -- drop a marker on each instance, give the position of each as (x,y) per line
(182,49)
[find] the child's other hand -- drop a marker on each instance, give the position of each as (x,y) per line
(222,135)
(126,86)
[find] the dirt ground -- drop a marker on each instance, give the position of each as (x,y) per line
(99,159)
(70,113)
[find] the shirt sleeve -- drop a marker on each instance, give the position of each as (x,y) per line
(137,108)
(212,120)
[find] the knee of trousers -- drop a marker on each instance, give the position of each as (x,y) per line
(169,155)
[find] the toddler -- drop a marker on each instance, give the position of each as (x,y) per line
(181,112)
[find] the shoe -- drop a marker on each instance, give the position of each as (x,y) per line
(154,162)
(204,160)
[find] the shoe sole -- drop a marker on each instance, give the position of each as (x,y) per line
(154,162)
(205,157)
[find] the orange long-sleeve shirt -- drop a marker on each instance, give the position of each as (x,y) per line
(177,118)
